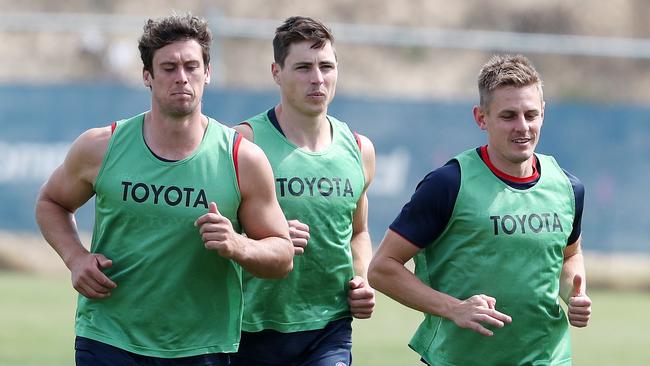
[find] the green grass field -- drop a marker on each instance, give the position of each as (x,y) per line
(37,315)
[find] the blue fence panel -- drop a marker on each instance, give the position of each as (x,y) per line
(604,145)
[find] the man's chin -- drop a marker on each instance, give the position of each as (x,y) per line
(316,110)
(521,158)
(180,111)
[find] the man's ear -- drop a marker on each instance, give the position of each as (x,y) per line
(479,117)
(146,78)
(208,72)
(275,72)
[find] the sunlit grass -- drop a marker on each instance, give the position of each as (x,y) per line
(37,327)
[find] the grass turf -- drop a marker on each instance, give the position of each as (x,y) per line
(37,327)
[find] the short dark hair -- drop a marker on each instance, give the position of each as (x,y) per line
(298,29)
(160,32)
(506,70)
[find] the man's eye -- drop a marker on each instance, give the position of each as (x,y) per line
(531,116)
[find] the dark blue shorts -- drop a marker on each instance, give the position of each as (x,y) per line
(89,352)
(330,346)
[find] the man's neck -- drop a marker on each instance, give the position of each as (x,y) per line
(312,133)
(173,138)
(520,170)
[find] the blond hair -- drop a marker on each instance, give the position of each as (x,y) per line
(506,70)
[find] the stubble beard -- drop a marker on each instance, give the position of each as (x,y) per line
(180,110)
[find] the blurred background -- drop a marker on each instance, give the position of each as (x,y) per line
(407,80)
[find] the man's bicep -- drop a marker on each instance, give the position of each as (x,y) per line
(71,184)
(420,221)
(368,160)
(360,216)
(66,189)
(396,247)
(423,219)
(259,211)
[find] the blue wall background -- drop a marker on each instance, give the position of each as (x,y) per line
(606,146)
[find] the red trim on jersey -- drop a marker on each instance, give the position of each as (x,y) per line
(113,125)
(502,175)
(356,137)
(235,155)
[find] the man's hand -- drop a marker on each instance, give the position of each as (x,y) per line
(88,278)
(299,234)
(361,298)
(218,234)
(476,311)
(579,305)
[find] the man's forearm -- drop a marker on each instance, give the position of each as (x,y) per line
(270,257)
(572,266)
(59,229)
(393,279)
(361,246)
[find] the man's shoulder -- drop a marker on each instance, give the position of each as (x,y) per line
(573,179)
(335,119)
(247,126)
(576,184)
(87,152)
(262,116)
(340,124)
(94,139)
(220,126)
(364,142)
(94,142)
(250,153)
(447,175)
(128,121)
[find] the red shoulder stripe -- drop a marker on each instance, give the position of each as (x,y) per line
(113,125)
(235,154)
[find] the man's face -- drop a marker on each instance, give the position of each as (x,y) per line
(308,79)
(179,76)
(513,123)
